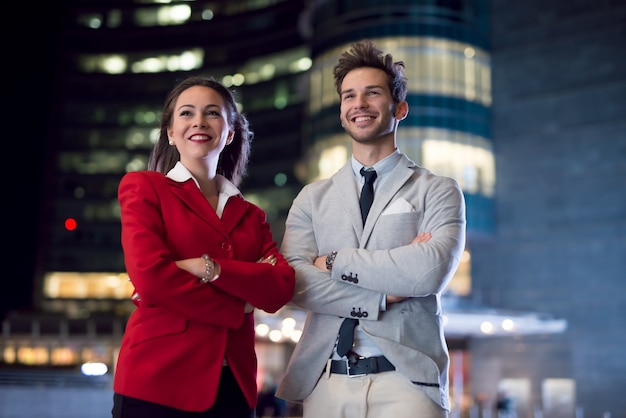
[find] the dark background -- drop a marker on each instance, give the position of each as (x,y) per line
(30,74)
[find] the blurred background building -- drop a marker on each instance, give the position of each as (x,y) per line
(523,103)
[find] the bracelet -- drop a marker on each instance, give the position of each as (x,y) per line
(208,269)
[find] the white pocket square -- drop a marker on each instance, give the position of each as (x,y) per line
(398,206)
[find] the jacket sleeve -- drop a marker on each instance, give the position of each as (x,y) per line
(263,285)
(316,291)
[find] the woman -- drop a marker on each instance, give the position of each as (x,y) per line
(201,259)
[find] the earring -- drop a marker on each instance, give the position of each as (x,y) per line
(171,142)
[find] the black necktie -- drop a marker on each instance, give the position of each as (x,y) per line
(346,331)
(367,192)
(346,336)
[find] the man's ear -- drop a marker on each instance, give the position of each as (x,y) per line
(402,110)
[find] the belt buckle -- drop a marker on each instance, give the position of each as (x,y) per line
(348,370)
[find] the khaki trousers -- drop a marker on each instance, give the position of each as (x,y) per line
(381,395)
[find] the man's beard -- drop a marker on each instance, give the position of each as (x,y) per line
(381,130)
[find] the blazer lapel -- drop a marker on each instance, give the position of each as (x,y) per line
(190,196)
(235,209)
(383,195)
(343,180)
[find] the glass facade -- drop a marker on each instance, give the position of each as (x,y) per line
(114,82)
(112,85)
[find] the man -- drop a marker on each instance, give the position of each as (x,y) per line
(387,271)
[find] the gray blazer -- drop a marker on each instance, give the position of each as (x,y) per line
(325,217)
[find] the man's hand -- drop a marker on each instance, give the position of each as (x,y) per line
(320,262)
(394,299)
(422,237)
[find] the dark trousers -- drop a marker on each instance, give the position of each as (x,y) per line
(230,403)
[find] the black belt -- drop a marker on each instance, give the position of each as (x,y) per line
(359,366)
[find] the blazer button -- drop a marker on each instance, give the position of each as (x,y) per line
(350,278)
(226,246)
(359,314)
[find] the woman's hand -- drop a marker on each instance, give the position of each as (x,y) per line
(270,259)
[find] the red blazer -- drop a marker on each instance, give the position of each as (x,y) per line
(182,330)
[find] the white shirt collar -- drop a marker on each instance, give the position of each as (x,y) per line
(226,189)
(382,167)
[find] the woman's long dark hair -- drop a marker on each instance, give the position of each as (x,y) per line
(233,161)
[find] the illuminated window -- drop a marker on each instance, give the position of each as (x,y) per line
(517,389)
(558,397)
(63,356)
(73,285)
(9,355)
(142,62)
(94,162)
(33,355)
(163,16)
(465,157)
(461,283)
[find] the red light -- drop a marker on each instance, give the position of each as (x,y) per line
(70,224)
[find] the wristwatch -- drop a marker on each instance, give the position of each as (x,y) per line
(330,259)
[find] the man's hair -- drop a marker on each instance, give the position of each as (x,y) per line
(365,54)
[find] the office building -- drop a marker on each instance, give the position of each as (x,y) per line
(468,63)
